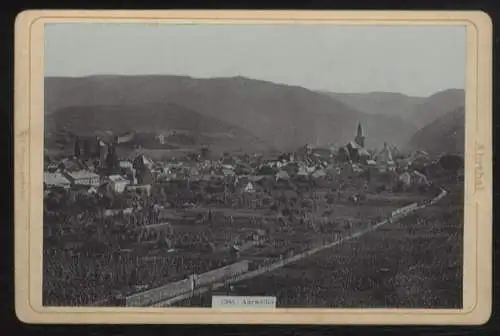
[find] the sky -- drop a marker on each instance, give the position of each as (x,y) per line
(413,60)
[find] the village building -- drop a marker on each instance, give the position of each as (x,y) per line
(125,138)
(385,155)
(355,151)
(83,177)
(126,164)
(140,189)
(318,173)
(70,164)
(227,172)
(419,159)
(323,154)
(143,170)
(89,165)
(413,179)
(118,183)
(244,184)
(343,155)
(161,138)
(50,167)
(282,175)
(287,157)
(243,169)
(249,188)
(385,159)
(103,153)
(55,180)
(78,190)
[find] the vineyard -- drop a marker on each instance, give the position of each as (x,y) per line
(184,229)
(412,263)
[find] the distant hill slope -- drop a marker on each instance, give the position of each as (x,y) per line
(417,110)
(383,103)
(279,115)
(191,128)
(444,135)
(437,105)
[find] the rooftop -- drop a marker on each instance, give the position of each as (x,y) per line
(82,174)
(54,179)
(117,178)
(363,152)
(353,145)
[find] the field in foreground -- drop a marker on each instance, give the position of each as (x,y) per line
(415,263)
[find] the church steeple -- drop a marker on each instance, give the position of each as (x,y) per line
(360,130)
(360,138)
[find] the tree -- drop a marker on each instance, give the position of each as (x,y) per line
(112,160)
(96,151)
(77,147)
(86,149)
(205,151)
(343,155)
(452,163)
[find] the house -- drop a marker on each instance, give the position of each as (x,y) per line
(405,179)
(249,188)
(51,167)
(83,177)
(140,161)
(89,165)
(302,171)
(323,154)
(363,156)
(385,160)
(419,178)
(343,155)
(403,164)
(118,183)
(70,165)
(287,157)
(142,189)
(357,153)
(371,163)
(125,164)
(385,155)
(355,168)
(55,179)
(78,190)
(282,175)
(227,172)
(318,173)
(414,178)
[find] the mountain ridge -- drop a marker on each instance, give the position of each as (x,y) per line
(419,111)
(283,116)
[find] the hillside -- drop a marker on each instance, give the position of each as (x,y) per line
(191,128)
(383,103)
(279,115)
(419,111)
(437,105)
(445,135)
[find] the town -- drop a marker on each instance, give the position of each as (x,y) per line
(117,224)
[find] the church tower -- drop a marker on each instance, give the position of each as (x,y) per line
(360,138)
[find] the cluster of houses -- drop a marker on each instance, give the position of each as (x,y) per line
(103,169)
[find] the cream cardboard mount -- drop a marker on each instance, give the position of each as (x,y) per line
(232,302)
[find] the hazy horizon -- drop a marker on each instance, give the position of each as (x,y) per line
(412,60)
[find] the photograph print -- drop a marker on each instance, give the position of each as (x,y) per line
(314,166)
